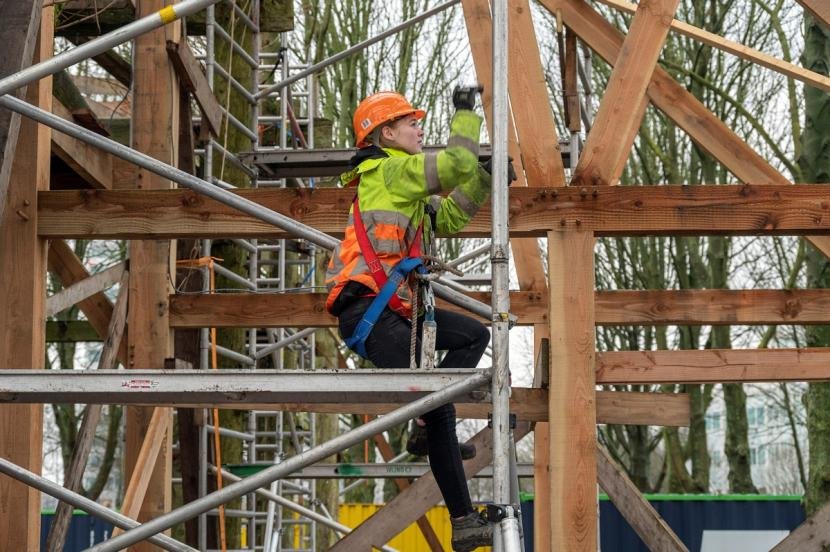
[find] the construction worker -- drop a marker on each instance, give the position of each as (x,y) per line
(393,218)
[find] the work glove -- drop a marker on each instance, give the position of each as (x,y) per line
(464,97)
(511,172)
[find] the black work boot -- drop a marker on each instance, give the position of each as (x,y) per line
(417,444)
(471,531)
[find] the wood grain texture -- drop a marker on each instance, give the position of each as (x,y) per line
(528,404)
(79,291)
(820,9)
(665,93)
(23,285)
(637,511)
(194,81)
(412,503)
(624,307)
(616,124)
(91,163)
(427,531)
(155,132)
(713,307)
(143,473)
(245,310)
(607,211)
(572,396)
(527,258)
(19,33)
(744,52)
(98,309)
(86,434)
(713,365)
(811,536)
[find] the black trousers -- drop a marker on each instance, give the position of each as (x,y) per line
(465,340)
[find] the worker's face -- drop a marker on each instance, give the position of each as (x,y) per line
(405,134)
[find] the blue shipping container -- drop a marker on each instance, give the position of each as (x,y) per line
(84,531)
(689,516)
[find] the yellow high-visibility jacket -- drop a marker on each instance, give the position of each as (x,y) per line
(394,191)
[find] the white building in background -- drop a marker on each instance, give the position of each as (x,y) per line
(772,452)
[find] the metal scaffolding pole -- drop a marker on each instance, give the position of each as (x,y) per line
(506,539)
(354,49)
(197,184)
(85,504)
(101,44)
(301,460)
(303,511)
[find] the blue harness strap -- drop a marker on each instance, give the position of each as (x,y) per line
(357,341)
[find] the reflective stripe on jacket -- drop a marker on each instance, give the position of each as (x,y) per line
(394,192)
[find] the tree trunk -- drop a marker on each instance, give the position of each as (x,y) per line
(815,165)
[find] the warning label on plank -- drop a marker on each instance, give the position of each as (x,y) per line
(139,384)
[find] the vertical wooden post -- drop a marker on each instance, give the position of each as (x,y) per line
(155,132)
(572,395)
(22,304)
(541,454)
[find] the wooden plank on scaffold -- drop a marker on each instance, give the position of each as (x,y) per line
(23,298)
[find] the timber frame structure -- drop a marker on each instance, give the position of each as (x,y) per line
(563,306)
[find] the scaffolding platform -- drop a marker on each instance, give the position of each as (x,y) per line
(163,387)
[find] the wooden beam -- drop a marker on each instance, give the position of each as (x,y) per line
(148,458)
(21,22)
(709,132)
(194,81)
(70,270)
(154,132)
(91,164)
(608,211)
(819,8)
(84,289)
(717,307)
(541,443)
(811,536)
(536,127)
(572,396)
(822,82)
(246,310)
(86,434)
(423,523)
(479,29)
(713,307)
(23,265)
(528,404)
(713,366)
(409,505)
(637,511)
(616,124)
(91,18)
(110,61)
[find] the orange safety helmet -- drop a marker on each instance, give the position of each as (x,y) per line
(378,109)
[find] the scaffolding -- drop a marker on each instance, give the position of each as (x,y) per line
(570,215)
(207,152)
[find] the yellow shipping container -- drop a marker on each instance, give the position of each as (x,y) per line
(410,539)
